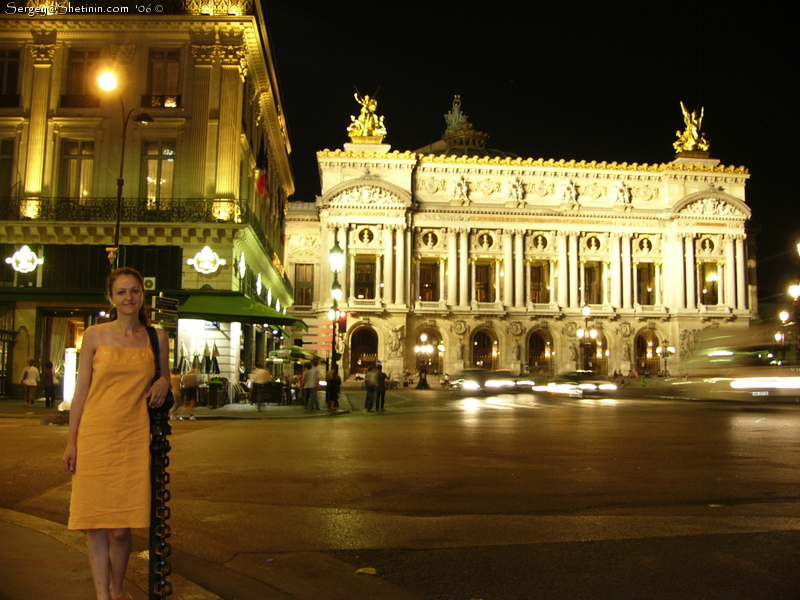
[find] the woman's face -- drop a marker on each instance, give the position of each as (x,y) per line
(127,294)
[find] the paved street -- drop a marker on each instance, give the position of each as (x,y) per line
(448,497)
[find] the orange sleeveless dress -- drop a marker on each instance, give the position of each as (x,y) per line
(111,485)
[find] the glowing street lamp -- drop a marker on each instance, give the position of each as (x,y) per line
(108,82)
(586,336)
(336,260)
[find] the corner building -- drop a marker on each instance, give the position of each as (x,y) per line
(205,182)
(459,256)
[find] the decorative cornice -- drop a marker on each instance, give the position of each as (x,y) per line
(42,53)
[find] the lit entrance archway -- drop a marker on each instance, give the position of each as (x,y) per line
(363,350)
(484,350)
(647,359)
(540,353)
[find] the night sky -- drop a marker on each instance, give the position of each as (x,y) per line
(600,81)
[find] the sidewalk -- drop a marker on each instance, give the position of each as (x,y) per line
(43,559)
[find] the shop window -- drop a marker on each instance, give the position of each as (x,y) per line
(303,285)
(81,84)
(365,279)
(77,164)
(159,172)
(163,77)
(9,78)
(429,282)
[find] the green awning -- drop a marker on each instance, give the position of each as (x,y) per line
(234,309)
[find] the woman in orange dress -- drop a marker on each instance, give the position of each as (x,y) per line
(108,452)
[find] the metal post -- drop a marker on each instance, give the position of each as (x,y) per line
(160,549)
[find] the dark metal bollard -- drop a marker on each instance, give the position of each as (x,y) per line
(160,549)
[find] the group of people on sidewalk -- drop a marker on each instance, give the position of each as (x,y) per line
(31,378)
(310,385)
(375,382)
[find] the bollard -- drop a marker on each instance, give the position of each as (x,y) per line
(160,549)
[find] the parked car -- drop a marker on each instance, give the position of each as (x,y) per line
(578,384)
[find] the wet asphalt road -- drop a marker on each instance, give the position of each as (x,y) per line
(456,498)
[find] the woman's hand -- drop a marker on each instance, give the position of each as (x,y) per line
(70,458)
(158,392)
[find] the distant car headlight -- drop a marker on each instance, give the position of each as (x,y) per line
(471,385)
(608,387)
(588,387)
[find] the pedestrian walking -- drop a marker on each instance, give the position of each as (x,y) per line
(49,384)
(371,383)
(108,449)
(30,379)
(333,385)
(380,392)
(310,384)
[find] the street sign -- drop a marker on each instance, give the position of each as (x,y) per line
(165,304)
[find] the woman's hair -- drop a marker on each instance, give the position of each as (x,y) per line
(48,364)
(116,274)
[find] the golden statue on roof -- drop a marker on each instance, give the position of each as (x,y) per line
(368,128)
(692,138)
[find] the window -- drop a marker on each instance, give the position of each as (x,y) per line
(77,162)
(9,78)
(484,282)
(81,84)
(159,171)
(6,167)
(429,282)
(592,283)
(365,279)
(162,84)
(646,279)
(540,283)
(709,283)
(303,285)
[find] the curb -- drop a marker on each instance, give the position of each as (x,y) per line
(138,567)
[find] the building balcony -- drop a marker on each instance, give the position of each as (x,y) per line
(134,210)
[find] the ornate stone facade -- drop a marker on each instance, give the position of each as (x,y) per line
(536,266)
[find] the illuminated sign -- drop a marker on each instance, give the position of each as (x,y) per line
(206,261)
(24,260)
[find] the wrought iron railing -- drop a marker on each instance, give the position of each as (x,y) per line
(134,210)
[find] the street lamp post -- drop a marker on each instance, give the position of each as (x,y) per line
(423,352)
(336,258)
(586,336)
(794,292)
(781,336)
(108,81)
(666,351)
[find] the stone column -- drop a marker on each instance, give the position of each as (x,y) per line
(677,275)
(352,279)
(519,262)
(582,278)
(378,277)
(230,121)
(497,298)
(42,55)
(635,273)
(730,271)
(472,295)
(552,291)
(442,296)
(616,271)
(741,274)
(659,299)
(563,270)
(388,264)
(463,257)
(198,127)
(400,271)
(626,270)
(690,272)
(605,282)
(452,267)
(573,270)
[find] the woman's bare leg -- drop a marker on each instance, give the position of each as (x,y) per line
(97,542)
(119,550)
